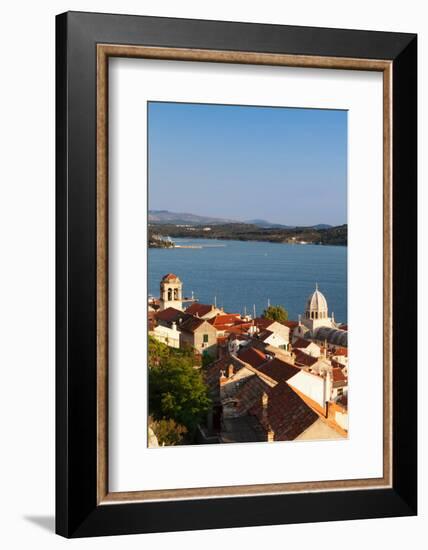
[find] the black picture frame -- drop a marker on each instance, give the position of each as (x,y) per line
(77,511)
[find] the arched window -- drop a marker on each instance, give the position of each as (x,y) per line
(169,293)
(176,294)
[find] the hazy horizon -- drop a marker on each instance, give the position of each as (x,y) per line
(284,165)
(236,218)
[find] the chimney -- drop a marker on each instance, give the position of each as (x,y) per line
(174,326)
(230,371)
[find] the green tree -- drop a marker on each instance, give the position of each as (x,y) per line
(168,432)
(159,352)
(177,390)
(276,313)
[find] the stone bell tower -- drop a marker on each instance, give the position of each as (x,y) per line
(171,292)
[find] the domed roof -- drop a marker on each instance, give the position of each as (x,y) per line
(333,336)
(170,278)
(317,302)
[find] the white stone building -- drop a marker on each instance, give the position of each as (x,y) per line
(168,336)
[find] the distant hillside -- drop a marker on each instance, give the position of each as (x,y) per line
(251,232)
(266,224)
(186,218)
(183,218)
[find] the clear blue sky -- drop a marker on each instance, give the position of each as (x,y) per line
(284,165)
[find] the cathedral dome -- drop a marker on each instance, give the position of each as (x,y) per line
(316,306)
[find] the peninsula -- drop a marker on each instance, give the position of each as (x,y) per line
(320,235)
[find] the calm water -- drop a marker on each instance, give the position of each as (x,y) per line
(241,274)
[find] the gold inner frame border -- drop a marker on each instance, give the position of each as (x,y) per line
(104,52)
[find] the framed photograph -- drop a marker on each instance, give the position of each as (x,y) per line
(236,274)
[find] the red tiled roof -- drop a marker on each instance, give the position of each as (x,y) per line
(341,351)
(262,323)
(264,334)
(338,375)
(226,320)
(290,324)
(250,392)
(169,315)
(287,414)
(278,370)
(239,329)
(303,359)
(301,343)
(252,356)
(199,309)
(191,324)
(337,364)
(212,372)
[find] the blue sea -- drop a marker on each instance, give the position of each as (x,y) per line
(240,274)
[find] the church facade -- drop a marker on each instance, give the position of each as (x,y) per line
(316,324)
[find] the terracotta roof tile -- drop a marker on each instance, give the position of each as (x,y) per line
(339,379)
(212,372)
(191,324)
(252,356)
(278,370)
(287,414)
(264,334)
(301,343)
(199,309)
(304,360)
(226,320)
(250,393)
(290,324)
(262,323)
(170,315)
(239,329)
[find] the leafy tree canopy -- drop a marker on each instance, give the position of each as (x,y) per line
(176,389)
(168,432)
(276,313)
(159,352)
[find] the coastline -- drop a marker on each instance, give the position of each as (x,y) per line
(296,243)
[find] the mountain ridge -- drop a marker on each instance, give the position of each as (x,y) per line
(187,218)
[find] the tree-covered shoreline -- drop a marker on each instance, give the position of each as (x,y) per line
(332,236)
